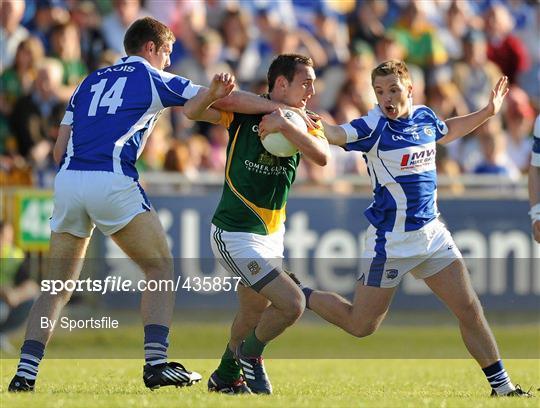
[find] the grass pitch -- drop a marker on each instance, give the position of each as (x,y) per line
(311,365)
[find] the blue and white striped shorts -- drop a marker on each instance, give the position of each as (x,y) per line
(388,256)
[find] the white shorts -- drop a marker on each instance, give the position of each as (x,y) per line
(256,259)
(85,199)
(390,255)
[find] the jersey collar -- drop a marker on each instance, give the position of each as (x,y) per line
(132,58)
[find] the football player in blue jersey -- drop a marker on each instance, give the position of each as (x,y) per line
(534,182)
(398,141)
(104,130)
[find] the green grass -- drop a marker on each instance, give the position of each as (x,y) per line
(399,366)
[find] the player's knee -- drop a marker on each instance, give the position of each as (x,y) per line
(157,268)
(470,310)
(294,308)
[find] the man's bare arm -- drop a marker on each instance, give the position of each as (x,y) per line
(61,143)
(334,134)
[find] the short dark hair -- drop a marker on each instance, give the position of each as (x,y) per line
(392,67)
(285,64)
(144,30)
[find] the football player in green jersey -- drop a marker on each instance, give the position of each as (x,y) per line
(248,225)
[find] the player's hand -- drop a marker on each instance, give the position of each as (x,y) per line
(310,118)
(497,96)
(222,85)
(272,122)
(536,231)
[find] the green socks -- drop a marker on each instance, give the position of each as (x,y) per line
(228,370)
(252,347)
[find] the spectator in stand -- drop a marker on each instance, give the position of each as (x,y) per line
(475,75)
(284,40)
(11,30)
(205,62)
(219,138)
(36,115)
(495,159)
(443,96)
(419,37)
(17,80)
(48,14)
(519,119)
(178,159)
(115,24)
(85,15)
(456,25)
(529,33)
(200,152)
(331,35)
(240,49)
(504,48)
(66,47)
(17,290)
(351,83)
(153,156)
(449,169)
(369,20)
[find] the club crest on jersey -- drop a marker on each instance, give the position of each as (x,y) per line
(420,158)
(254,267)
(391,273)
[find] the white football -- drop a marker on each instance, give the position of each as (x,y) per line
(279,145)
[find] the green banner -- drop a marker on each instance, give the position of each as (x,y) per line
(33,210)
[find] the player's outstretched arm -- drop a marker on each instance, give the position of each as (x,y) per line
(61,143)
(534,182)
(246,102)
(334,134)
(534,198)
(198,107)
(463,125)
(313,147)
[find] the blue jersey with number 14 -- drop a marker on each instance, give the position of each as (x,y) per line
(113,111)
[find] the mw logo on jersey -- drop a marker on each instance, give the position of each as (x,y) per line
(418,158)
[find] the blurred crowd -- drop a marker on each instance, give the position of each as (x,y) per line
(455,49)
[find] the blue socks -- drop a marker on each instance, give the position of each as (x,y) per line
(155,344)
(32,352)
(498,378)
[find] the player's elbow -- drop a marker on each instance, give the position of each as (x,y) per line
(190,112)
(322,158)
(322,161)
(228,103)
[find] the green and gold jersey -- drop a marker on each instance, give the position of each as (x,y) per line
(257,183)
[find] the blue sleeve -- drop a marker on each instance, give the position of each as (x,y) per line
(535,156)
(173,90)
(440,126)
(362,133)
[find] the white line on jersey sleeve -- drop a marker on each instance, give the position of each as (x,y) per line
(67,119)
(189,91)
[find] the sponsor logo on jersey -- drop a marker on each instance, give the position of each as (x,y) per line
(254,267)
(420,158)
(266,164)
(391,273)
